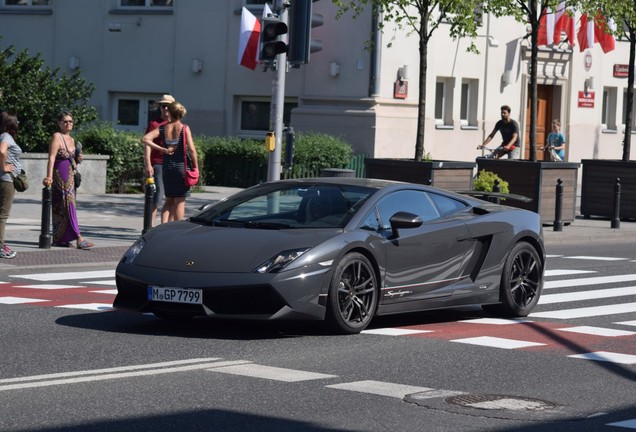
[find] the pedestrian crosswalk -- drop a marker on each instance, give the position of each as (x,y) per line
(569,294)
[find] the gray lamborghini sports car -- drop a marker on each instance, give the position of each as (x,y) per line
(342,250)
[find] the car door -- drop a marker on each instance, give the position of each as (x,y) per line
(425,261)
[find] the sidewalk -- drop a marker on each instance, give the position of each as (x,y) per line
(114,221)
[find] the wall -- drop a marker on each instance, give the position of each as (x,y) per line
(93,169)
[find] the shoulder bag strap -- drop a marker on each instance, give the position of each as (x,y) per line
(185,147)
(69,153)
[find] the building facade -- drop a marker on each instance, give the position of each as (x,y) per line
(136,50)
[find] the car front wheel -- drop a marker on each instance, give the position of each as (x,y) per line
(353,295)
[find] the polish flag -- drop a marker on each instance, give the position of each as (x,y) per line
(553,23)
(589,33)
(248,40)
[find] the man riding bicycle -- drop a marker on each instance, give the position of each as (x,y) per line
(509,129)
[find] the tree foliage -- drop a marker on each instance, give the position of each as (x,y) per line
(422,17)
(37,93)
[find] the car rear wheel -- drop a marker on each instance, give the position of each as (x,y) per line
(353,295)
(521,282)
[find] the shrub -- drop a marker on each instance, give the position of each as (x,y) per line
(314,152)
(126,162)
(485,181)
(37,94)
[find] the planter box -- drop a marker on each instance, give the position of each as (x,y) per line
(450,175)
(597,191)
(538,180)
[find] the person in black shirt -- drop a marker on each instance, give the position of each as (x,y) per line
(509,129)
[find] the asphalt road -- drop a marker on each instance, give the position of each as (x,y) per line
(71,364)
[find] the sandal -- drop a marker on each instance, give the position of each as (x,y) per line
(84,244)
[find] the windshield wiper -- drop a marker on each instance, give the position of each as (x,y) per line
(266,225)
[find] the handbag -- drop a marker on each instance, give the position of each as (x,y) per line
(191,175)
(77,179)
(20,182)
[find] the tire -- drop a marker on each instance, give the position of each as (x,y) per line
(353,295)
(521,282)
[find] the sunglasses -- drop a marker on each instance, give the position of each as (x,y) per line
(67,121)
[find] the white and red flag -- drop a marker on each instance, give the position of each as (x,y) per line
(553,23)
(592,31)
(248,40)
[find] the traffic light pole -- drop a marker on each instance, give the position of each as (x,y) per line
(278,103)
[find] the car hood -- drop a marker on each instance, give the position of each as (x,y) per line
(220,249)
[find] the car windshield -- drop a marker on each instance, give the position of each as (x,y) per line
(288,205)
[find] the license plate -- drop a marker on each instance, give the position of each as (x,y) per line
(175,295)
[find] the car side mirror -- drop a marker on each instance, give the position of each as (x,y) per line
(404,220)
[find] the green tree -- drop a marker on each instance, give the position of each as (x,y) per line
(623,12)
(37,93)
(422,17)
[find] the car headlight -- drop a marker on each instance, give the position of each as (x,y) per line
(132,252)
(279,261)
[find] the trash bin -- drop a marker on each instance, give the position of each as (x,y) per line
(337,172)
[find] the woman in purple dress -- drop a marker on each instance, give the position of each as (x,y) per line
(60,172)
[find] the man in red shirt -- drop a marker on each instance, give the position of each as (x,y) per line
(153,159)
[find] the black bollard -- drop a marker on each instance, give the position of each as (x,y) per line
(616,215)
(151,189)
(558,206)
(496,188)
(45,228)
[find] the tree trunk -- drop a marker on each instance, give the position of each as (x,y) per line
(421,108)
(533,80)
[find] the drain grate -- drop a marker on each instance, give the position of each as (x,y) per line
(500,402)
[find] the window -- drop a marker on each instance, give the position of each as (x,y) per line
(412,201)
(254,115)
(134,112)
(608,115)
(624,116)
(468,108)
(27,3)
(145,3)
(444,102)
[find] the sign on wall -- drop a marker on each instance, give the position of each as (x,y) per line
(586,99)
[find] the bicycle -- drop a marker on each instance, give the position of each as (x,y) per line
(552,154)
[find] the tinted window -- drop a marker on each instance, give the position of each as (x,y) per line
(446,205)
(411,201)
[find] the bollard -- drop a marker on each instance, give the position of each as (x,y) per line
(151,189)
(496,188)
(616,220)
(45,227)
(558,206)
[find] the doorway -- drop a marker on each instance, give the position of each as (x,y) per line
(545,102)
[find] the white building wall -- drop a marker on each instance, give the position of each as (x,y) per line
(153,54)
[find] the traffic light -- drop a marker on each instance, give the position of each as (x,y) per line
(301,21)
(269,45)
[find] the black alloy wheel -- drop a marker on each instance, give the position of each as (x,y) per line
(353,295)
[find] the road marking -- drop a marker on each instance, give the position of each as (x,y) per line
(19,300)
(587,311)
(587,295)
(100,282)
(109,292)
(380,388)
(47,277)
(495,342)
(589,281)
(598,331)
(89,306)
(112,373)
(49,286)
(627,323)
(394,331)
(607,357)
(595,258)
(495,321)
(271,373)
(629,424)
(550,273)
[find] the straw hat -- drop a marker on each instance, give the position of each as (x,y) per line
(166,99)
